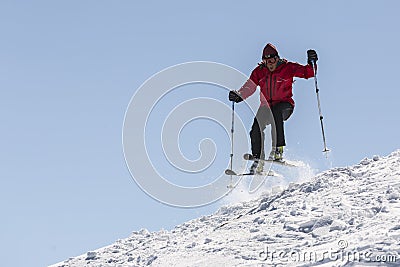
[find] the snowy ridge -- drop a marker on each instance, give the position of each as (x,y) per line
(344,216)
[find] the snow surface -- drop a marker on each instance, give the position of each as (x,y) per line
(343,216)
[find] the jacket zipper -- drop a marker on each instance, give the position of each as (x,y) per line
(270,90)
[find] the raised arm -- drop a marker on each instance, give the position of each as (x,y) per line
(307,71)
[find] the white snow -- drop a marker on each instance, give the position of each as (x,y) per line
(344,216)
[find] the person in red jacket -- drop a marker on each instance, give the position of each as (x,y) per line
(274,76)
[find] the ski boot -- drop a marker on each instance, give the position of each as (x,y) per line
(276,154)
(257,167)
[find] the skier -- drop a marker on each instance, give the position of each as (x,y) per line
(275,76)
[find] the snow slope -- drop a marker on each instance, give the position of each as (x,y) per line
(344,216)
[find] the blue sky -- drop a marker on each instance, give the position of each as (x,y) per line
(68,70)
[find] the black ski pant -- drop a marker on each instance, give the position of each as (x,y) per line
(274,117)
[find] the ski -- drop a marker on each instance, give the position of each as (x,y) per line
(270,173)
(283,162)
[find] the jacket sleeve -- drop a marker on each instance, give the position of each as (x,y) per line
(302,71)
(250,86)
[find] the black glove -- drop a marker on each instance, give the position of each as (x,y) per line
(312,56)
(234,96)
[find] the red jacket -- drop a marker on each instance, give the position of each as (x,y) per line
(275,86)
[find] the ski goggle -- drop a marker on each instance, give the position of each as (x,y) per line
(270,56)
(271,60)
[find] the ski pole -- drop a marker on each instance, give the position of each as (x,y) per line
(319,106)
(232,130)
